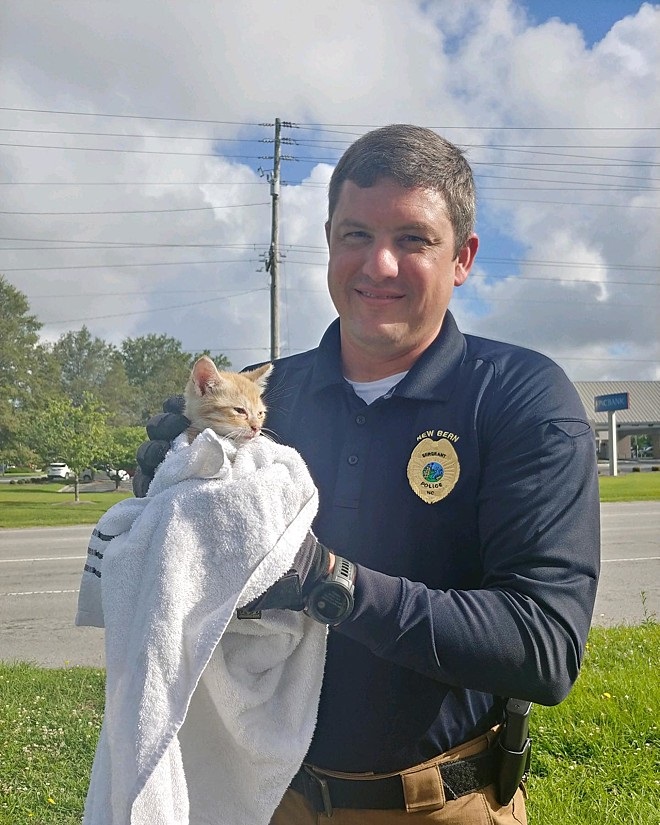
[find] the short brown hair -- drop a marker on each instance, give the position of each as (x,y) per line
(411,156)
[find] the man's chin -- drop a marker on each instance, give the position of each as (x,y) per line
(385,340)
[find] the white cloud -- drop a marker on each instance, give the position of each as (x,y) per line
(480,66)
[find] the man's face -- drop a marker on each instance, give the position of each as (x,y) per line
(391,274)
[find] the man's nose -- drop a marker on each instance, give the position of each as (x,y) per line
(381,262)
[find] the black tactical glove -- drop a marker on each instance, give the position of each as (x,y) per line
(162,429)
(310,565)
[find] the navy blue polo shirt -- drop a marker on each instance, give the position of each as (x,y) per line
(468,499)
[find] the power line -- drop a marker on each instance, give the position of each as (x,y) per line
(533,151)
(323,126)
(302,248)
(129,245)
(517,277)
(141,136)
(136,151)
(131,183)
(574,203)
(126,266)
(338,145)
(486,128)
(150,311)
(528,166)
(145,211)
(296,290)
(123,292)
(129,117)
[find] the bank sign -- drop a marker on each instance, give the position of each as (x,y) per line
(611,403)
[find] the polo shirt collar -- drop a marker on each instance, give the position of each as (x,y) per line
(432,377)
(434,374)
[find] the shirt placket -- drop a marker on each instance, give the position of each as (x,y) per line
(352,472)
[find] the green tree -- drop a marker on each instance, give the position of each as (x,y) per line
(84,362)
(118,398)
(156,367)
(121,449)
(75,434)
(26,370)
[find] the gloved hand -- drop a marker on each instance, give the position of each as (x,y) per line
(311,564)
(162,429)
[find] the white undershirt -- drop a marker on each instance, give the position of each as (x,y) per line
(369,391)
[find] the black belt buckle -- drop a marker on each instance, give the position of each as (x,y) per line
(323,788)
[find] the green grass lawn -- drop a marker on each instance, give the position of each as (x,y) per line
(595,758)
(643,486)
(597,755)
(41,505)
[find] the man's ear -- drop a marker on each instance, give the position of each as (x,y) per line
(465,259)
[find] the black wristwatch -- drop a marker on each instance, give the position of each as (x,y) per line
(331,600)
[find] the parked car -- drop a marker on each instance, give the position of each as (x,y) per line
(122,474)
(58,469)
(93,473)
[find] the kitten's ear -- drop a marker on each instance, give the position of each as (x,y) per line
(260,375)
(204,375)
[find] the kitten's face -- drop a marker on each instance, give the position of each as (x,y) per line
(229,403)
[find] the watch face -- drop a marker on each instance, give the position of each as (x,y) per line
(331,603)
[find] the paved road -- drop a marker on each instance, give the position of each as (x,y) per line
(631,563)
(40,573)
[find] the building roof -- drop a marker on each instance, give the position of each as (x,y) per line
(643,397)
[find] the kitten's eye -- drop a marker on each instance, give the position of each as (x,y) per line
(240,410)
(261,414)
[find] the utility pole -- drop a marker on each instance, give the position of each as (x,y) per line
(273,264)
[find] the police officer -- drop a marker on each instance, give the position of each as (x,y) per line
(458,495)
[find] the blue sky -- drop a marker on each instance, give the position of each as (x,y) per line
(129,157)
(593,17)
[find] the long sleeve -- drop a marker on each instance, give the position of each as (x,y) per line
(522,631)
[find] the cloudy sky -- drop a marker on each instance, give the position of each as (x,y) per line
(136,142)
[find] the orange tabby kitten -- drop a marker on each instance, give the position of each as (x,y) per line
(230,403)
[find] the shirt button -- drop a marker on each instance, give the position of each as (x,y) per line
(360,419)
(353,460)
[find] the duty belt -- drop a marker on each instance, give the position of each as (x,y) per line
(447,780)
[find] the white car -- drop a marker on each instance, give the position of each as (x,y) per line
(58,469)
(122,474)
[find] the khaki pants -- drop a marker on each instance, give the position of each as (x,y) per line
(479,808)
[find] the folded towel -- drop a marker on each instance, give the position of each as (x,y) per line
(207,717)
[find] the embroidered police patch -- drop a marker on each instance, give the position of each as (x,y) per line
(433,469)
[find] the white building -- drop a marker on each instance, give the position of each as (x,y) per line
(641,418)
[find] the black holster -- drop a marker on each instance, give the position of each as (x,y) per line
(515,748)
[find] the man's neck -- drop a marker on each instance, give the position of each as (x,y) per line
(365,367)
(360,364)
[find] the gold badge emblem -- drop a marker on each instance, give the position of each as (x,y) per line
(433,469)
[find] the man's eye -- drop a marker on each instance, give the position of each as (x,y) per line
(356,234)
(414,239)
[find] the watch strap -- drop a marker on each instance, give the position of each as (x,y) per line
(331,600)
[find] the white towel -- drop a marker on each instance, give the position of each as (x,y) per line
(207,717)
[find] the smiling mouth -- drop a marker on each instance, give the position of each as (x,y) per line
(379,296)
